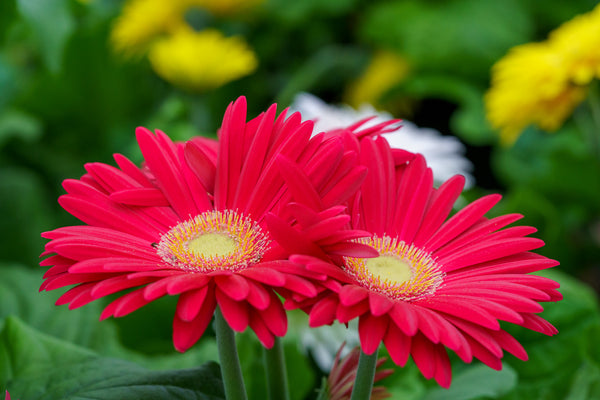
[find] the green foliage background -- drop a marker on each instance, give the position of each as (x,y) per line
(66,99)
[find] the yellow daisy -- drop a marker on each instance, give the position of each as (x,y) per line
(542,83)
(531,85)
(578,41)
(142,21)
(385,70)
(201,60)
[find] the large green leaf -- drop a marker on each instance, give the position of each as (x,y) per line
(53,24)
(475,382)
(565,364)
(462,36)
(25,213)
(301,377)
(19,296)
(35,366)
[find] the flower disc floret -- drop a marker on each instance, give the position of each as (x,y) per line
(214,240)
(401,271)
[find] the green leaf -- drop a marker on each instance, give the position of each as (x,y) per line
(329,67)
(52,23)
(7,13)
(301,377)
(35,366)
(460,36)
(476,382)
(556,364)
(20,296)
(25,213)
(469,120)
(297,12)
(19,124)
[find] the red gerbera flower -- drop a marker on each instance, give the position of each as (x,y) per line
(192,223)
(436,283)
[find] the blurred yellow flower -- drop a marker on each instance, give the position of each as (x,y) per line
(201,60)
(530,85)
(226,7)
(143,21)
(578,41)
(385,70)
(542,83)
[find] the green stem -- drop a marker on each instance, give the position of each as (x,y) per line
(365,374)
(323,390)
(277,382)
(594,103)
(233,381)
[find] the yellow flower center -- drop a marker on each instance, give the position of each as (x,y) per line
(212,245)
(389,268)
(214,240)
(401,271)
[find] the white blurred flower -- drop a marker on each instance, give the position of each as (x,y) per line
(324,342)
(444,154)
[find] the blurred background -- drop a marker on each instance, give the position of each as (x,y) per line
(77,78)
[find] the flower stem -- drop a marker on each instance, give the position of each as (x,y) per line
(233,381)
(277,382)
(594,103)
(365,374)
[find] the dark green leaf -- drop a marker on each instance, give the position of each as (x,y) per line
(35,366)
(462,36)
(18,124)
(475,382)
(556,364)
(52,23)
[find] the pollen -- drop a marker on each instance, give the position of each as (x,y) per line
(213,241)
(401,271)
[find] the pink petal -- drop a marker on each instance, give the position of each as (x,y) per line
(148,197)
(397,344)
(461,309)
(235,286)
(125,304)
(234,312)
(371,330)
(190,303)
(274,316)
(262,332)
(258,296)
(347,313)
(404,316)
(323,312)
(460,222)
(167,172)
(299,184)
(202,166)
(486,251)
(352,294)
(185,333)
(263,274)
(379,304)
(230,153)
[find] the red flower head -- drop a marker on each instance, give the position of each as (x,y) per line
(192,223)
(436,283)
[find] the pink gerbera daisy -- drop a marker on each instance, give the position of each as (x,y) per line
(192,222)
(436,283)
